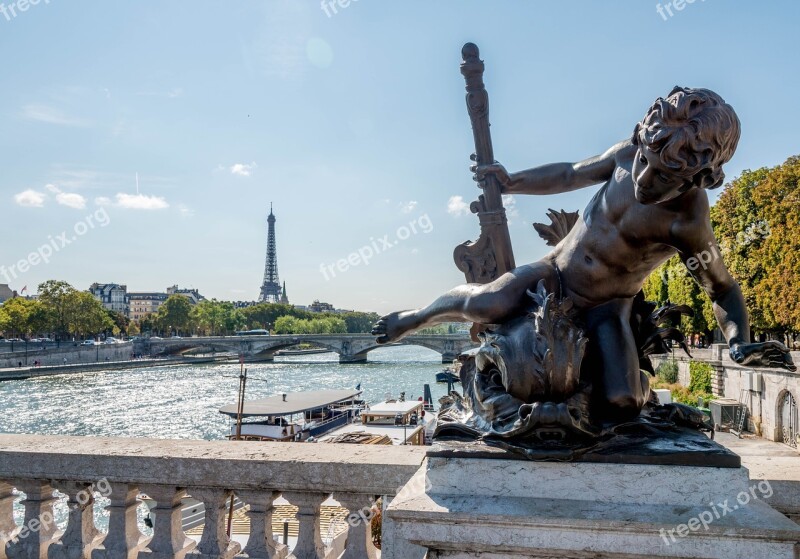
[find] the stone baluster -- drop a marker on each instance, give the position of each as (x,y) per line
(359,525)
(124,540)
(81,535)
(38,530)
(8,527)
(261,544)
(214,543)
(169,540)
(309,536)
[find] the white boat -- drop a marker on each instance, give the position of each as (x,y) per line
(294,416)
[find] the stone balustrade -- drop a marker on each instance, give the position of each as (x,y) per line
(257,473)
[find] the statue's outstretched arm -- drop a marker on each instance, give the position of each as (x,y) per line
(555,178)
(703,258)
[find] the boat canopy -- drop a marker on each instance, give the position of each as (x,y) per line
(291,403)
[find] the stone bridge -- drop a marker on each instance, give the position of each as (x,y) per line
(352,348)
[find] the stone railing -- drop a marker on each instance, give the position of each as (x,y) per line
(304,474)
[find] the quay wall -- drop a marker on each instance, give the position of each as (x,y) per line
(731,380)
(73,354)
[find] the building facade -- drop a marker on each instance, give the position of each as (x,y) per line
(192,294)
(5,293)
(112,296)
(144,303)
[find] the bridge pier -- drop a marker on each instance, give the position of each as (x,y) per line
(266,358)
(352,358)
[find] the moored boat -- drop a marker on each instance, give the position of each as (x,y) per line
(294,416)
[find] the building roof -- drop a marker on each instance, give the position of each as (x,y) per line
(296,402)
(5,292)
(393,408)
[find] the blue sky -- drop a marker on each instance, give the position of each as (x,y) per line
(353,124)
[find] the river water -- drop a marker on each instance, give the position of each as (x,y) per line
(182,402)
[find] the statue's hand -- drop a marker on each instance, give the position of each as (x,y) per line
(496,169)
(767,354)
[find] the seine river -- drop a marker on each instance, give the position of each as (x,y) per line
(182,402)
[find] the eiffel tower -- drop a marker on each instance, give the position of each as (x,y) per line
(271,291)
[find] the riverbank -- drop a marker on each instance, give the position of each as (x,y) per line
(23,373)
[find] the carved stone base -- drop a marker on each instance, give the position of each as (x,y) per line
(504,509)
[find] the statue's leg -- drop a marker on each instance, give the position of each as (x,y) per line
(621,389)
(489,303)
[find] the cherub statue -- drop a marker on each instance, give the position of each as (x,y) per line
(652,205)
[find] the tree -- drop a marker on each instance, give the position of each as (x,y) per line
(737,223)
(359,322)
(87,315)
(175,313)
(320,325)
(264,315)
(756,221)
(121,322)
(286,325)
(20,315)
(148,323)
(778,199)
(54,296)
(672,282)
(4,320)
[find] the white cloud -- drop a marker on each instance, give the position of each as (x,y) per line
(408,207)
(185,210)
(456,206)
(50,115)
(102,201)
(30,198)
(510,204)
(71,200)
(52,188)
(140,202)
(243,169)
(173,93)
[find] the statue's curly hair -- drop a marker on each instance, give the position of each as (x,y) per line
(694,131)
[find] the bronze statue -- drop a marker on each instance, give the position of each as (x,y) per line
(652,204)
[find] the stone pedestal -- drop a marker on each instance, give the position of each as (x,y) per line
(497,507)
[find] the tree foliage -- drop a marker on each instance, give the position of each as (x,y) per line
(60,309)
(55,297)
(756,222)
(323,325)
(175,314)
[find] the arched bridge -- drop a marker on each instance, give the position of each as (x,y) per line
(352,348)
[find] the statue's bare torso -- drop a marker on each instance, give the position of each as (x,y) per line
(618,241)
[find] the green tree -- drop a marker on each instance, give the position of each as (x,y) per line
(87,315)
(20,315)
(148,324)
(286,325)
(778,200)
(756,221)
(264,315)
(175,314)
(121,322)
(4,321)
(55,297)
(359,322)
(736,218)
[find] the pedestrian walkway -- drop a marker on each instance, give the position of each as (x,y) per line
(775,462)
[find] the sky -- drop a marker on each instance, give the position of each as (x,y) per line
(348,117)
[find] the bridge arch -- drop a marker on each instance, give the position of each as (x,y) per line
(352,348)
